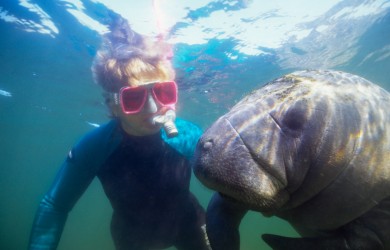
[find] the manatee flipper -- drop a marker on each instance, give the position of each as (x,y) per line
(284,243)
(223,219)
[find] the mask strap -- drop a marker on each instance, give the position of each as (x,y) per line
(109,96)
(115,96)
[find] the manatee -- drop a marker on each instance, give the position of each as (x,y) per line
(311,147)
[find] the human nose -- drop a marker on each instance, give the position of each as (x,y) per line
(150,104)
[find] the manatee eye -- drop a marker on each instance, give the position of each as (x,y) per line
(293,120)
(295,117)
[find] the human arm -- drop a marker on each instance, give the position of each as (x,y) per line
(73,178)
(53,209)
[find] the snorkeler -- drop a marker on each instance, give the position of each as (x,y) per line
(144,173)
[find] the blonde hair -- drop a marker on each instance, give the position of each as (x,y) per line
(126,57)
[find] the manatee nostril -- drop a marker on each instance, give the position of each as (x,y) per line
(208,145)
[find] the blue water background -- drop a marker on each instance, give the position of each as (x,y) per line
(54,100)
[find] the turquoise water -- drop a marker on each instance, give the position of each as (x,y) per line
(49,101)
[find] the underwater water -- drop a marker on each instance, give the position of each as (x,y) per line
(223,50)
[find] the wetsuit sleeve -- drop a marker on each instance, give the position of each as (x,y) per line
(75,175)
(185,142)
(54,207)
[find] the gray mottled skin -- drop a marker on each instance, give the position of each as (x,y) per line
(312,147)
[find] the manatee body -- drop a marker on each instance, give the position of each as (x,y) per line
(313,148)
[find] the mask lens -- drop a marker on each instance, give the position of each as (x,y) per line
(133,99)
(165,93)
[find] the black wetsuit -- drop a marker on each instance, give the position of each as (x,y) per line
(146,179)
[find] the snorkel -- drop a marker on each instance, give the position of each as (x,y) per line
(167,121)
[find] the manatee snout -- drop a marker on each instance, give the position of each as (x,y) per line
(202,156)
(207,166)
(223,162)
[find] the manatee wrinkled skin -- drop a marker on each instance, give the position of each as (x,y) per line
(311,147)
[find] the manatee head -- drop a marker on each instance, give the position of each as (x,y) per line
(262,152)
(244,166)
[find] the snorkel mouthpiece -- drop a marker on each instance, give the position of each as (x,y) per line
(167,121)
